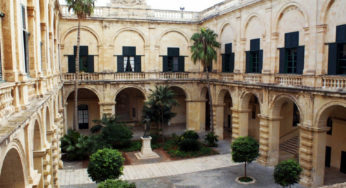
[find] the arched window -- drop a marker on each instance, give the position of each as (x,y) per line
(83,116)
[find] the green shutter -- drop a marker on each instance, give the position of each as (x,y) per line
(260,61)
(228,48)
(292,39)
(120,63)
(282,63)
(231,63)
(165,63)
(91,63)
(138,64)
(254,44)
(129,50)
(223,56)
(181,66)
(82,49)
(341,33)
(248,62)
(26,51)
(71,64)
(173,52)
(300,59)
(332,57)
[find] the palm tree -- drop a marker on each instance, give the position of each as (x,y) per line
(203,50)
(82,9)
(159,106)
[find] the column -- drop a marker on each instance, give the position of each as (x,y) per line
(270,149)
(107,108)
(195,115)
(218,110)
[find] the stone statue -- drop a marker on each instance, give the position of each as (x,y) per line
(147,123)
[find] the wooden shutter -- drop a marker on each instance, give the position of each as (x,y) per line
(223,56)
(82,49)
(120,63)
(71,64)
(282,64)
(129,50)
(228,48)
(173,52)
(138,63)
(248,62)
(231,64)
(260,61)
(341,33)
(332,56)
(91,63)
(165,63)
(254,44)
(300,59)
(292,39)
(181,66)
(26,51)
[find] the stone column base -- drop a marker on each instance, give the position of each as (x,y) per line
(146,151)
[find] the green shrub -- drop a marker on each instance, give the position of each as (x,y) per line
(244,149)
(211,139)
(110,183)
(287,173)
(75,146)
(105,164)
(190,135)
(189,145)
(173,150)
(117,135)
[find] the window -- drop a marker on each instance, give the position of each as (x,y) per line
(86,61)
(129,61)
(228,59)
(254,57)
(341,58)
(83,116)
(296,116)
(173,62)
(330,124)
(337,53)
(25,41)
(292,55)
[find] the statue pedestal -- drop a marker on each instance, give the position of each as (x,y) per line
(146,151)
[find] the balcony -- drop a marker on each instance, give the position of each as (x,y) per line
(331,83)
(6,99)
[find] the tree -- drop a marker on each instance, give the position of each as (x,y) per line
(159,106)
(105,164)
(82,9)
(203,50)
(244,149)
(287,173)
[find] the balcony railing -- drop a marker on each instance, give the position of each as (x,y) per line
(288,79)
(6,99)
(334,82)
(283,80)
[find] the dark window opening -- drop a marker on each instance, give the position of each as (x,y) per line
(291,55)
(25,41)
(296,116)
(341,58)
(86,61)
(227,59)
(254,57)
(173,62)
(330,124)
(83,116)
(129,61)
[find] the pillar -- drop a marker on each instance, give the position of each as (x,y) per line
(195,115)
(239,122)
(269,140)
(107,108)
(218,119)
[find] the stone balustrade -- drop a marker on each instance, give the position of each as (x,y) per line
(6,99)
(288,79)
(283,80)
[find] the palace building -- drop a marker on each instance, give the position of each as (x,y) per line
(280,77)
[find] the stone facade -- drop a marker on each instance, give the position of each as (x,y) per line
(31,108)
(276,109)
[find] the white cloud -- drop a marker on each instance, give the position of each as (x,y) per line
(190,5)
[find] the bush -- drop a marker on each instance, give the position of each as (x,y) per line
(174,151)
(110,183)
(287,173)
(211,139)
(189,145)
(190,135)
(75,146)
(105,164)
(117,135)
(244,149)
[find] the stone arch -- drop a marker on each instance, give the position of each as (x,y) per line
(250,19)
(71,90)
(230,39)
(184,89)
(286,7)
(221,95)
(172,31)
(83,28)
(13,171)
(37,136)
(279,100)
(245,99)
(321,115)
(142,90)
(204,92)
(223,27)
(324,11)
(48,118)
(140,33)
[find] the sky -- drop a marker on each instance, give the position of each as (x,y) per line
(190,5)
